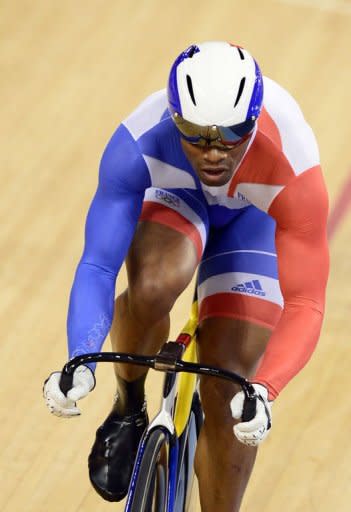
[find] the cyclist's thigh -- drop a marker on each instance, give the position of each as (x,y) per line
(240,300)
(170,237)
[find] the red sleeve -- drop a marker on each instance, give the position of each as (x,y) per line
(301,211)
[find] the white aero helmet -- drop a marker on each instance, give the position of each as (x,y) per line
(215,91)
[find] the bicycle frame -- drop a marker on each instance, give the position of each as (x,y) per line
(163,420)
(174,414)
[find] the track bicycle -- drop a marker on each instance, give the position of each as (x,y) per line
(163,471)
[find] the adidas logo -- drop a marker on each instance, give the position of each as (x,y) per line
(252,287)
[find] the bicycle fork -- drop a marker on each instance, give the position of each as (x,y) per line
(162,421)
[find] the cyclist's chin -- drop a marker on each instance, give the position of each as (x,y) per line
(214,177)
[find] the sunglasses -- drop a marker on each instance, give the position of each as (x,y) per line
(223,136)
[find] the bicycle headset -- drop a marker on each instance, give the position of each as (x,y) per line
(215,94)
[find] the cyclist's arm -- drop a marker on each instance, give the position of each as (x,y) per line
(300,211)
(110,226)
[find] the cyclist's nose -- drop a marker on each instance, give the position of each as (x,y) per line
(214,155)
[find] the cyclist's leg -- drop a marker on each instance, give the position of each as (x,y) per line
(161,262)
(164,254)
(240,303)
(223,465)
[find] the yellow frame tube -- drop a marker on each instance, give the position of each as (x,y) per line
(187,381)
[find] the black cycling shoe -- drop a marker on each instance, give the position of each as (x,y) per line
(113,454)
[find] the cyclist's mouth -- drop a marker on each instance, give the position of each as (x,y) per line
(213,174)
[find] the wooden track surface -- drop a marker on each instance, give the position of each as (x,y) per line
(70,72)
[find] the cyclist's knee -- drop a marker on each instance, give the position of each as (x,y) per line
(233,344)
(215,399)
(152,295)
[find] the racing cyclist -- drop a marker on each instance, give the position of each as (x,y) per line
(220,173)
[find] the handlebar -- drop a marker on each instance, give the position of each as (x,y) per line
(167,360)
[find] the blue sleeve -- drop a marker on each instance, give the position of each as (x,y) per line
(110,227)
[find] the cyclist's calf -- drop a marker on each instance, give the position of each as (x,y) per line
(223,465)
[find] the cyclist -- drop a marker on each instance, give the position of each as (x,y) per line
(220,172)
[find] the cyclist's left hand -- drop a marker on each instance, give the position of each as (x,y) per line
(252,432)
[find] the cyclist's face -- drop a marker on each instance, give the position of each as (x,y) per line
(214,165)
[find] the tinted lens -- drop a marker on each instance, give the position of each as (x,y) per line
(192,130)
(232,134)
(227,135)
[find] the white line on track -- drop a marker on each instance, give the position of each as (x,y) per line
(337,6)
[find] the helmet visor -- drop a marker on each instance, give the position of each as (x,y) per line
(228,136)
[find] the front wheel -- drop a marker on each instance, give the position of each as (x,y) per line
(150,492)
(188,442)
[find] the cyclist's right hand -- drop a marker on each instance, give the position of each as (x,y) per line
(65,406)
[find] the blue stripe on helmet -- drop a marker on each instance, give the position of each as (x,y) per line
(257,96)
(172,89)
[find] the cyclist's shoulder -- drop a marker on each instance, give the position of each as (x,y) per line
(144,131)
(283,149)
(284,140)
(280,103)
(145,145)
(147,115)
(157,140)
(276,94)
(283,120)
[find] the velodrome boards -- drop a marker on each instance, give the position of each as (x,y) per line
(70,72)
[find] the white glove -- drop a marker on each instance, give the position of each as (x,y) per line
(252,432)
(65,406)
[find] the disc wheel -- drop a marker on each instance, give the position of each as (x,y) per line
(150,492)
